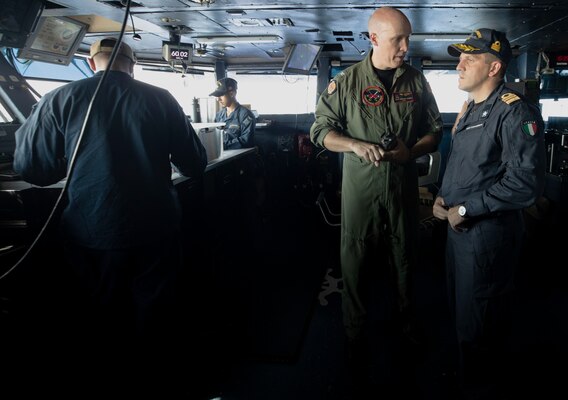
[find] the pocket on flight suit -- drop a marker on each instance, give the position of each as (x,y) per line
(359,200)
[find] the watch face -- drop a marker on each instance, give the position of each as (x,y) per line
(462,211)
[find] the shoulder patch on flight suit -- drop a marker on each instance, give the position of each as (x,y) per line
(529,127)
(331,87)
(373,96)
(510,98)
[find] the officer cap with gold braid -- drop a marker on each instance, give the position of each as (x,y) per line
(484,41)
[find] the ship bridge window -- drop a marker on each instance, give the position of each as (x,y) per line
(77,69)
(41,87)
(277,94)
(184,87)
(44,77)
(554,108)
(4,114)
(444,84)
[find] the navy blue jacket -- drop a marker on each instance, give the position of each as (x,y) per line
(497,157)
(120,193)
(239,128)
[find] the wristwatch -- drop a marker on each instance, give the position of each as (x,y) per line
(462,211)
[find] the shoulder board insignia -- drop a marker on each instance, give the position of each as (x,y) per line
(332,87)
(510,98)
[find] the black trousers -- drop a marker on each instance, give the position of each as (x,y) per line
(481,263)
(127,316)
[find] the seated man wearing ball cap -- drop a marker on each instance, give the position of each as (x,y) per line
(239,121)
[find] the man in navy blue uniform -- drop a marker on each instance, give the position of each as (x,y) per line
(121,222)
(495,169)
(239,121)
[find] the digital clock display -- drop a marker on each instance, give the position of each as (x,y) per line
(177,51)
(180,54)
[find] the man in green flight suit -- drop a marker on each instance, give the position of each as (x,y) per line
(361,109)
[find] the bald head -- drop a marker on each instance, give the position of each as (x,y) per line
(384,17)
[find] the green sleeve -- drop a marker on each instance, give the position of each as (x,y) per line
(329,113)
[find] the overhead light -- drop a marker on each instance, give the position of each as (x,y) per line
(236,13)
(201,2)
(169,20)
(249,22)
(238,39)
(439,37)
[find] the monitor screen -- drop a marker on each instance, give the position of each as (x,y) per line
(18,19)
(55,40)
(301,58)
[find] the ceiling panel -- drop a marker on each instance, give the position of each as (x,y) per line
(541,27)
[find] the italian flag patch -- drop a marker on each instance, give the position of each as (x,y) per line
(529,127)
